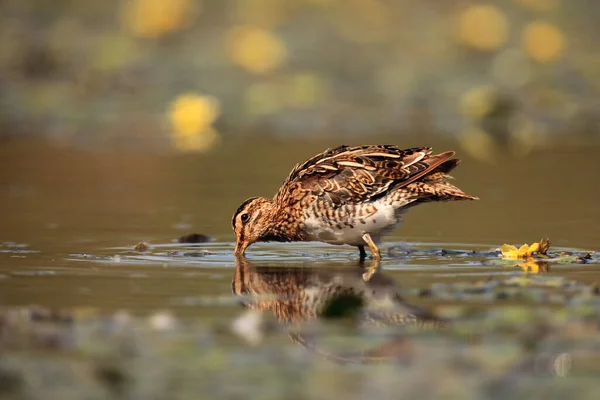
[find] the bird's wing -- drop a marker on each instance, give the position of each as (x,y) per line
(351,175)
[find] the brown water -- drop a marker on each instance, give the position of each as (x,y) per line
(75,217)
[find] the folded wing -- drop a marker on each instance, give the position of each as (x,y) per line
(350,175)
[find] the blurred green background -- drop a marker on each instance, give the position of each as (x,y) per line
(188,74)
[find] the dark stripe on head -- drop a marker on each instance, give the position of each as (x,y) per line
(240,208)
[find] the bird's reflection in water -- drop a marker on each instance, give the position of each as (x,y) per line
(301,294)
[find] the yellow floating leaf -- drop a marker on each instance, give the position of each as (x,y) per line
(510,252)
(507,248)
(522,252)
(533,248)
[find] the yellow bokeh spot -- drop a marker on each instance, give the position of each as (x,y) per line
(538,5)
(114,52)
(256,49)
(363,21)
(191,114)
(525,136)
(264,13)
(543,42)
(477,102)
(478,143)
(202,141)
(482,27)
(44,96)
(394,80)
(512,68)
(306,90)
(154,18)
(262,98)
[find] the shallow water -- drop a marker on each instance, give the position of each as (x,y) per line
(62,204)
(193,280)
(71,221)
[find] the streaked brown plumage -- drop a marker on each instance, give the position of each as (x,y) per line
(298,294)
(348,195)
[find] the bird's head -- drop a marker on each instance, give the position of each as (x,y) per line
(251,222)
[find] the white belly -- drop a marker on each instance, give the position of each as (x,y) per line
(350,231)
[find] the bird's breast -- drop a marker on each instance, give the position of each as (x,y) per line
(347,224)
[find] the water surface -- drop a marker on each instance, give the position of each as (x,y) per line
(71,220)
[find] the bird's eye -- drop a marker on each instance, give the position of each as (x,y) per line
(244,217)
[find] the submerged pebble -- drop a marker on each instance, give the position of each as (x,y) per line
(142,247)
(194,238)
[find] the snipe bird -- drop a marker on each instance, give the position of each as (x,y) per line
(348,195)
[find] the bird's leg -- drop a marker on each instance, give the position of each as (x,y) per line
(374,267)
(375,253)
(363,253)
(375,256)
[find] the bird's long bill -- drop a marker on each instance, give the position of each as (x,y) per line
(240,248)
